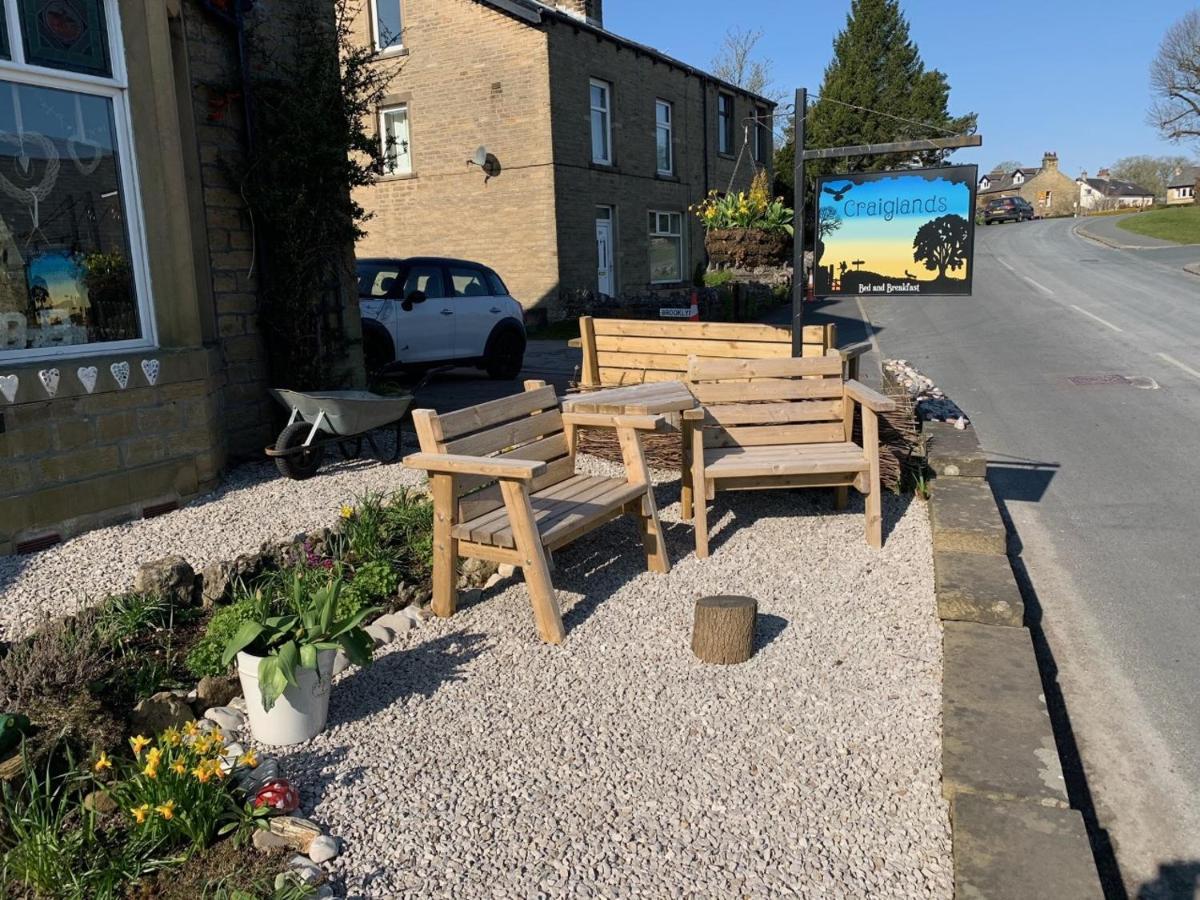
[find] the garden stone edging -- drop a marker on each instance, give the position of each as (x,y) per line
(1014,834)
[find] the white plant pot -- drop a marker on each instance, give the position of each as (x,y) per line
(300,712)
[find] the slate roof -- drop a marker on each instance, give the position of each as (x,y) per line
(534,12)
(1186,178)
(1112,187)
(1004,182)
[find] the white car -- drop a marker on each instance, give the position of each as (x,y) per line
(427,311)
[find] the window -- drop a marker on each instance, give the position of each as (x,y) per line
(762,133)
(387,24)
(397,149)
(426,278)
(1047,200)
(725,123)
(666,247)
(499,288)
(663,112)
(72,257)
(601,93)
(376,280)
(468,282)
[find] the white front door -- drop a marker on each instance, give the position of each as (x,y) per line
(604,251)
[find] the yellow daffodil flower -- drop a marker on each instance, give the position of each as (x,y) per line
(172,737)
(103,763)
(178,767)
(166,810)
(249,759)
(154,756)
(347,512)
(138,743)
(191,729)
(140,813)
(202,774)
(151,771)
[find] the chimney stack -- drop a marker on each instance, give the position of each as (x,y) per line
(1103,173)
(1050,160)
(590,11)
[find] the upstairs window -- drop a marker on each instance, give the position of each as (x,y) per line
(601,99)
(397,148)
(725,123)
(663,116)
(73,272)
(387,24)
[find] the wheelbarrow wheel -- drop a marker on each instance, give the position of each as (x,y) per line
(303,464)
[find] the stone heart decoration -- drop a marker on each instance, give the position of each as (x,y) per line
(150,369)
(279,795)
(49,379)
(8,387)
(87,377)
(120,371)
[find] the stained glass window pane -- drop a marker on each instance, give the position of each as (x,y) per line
(65,268)
(66,34)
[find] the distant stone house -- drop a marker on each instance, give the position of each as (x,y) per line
(596,148)
(1183,186)
(131,362)
(1047,189)
(1105,192)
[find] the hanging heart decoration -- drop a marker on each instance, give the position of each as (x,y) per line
(49,379)
(95,155)
(8,387)
(31,195)
(87,377)
(120,371)
(150,369)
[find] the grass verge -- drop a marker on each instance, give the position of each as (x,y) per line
(1180,224)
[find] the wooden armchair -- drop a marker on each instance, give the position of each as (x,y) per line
(780,423)
(505,489)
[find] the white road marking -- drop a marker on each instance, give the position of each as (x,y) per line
(1040,287)
(1096,317)
(1173,361)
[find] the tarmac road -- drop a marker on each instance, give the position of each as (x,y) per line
(1101,478)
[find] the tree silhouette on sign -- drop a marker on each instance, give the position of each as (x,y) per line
(942,244)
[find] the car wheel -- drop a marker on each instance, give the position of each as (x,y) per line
(506,355)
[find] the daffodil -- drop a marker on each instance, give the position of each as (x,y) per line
(172,737)
(347,512)
(249,759)
(138,743)
(154,756)
(140,813)
(192,728)
(166,810)
(179,767)
(201,773)
(151,771)
(103,763)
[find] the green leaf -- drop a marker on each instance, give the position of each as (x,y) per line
(246,635)
(308,656)
(358,646)
(289,658)
(356,620)
(271,681)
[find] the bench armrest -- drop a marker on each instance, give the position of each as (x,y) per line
(575,342)
(694,415)
(854,351)
(606,420)
(872,400)
(455,464)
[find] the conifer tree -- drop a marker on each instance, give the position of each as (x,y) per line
(875,66)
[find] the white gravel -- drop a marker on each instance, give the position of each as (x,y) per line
(253,505)
(471,760)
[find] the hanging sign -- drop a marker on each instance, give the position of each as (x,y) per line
(904,233)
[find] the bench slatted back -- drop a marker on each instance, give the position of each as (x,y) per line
(769,402)
(636,351)
(523,426)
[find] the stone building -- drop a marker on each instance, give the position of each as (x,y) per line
(1047,189)
(131,364)
(596,147)
(1105,192)
(1183,185)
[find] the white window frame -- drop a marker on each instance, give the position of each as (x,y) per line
(384,135)
(657,232)
(606,112)
(726,133)
(669,129)
(373,7)
(116,89)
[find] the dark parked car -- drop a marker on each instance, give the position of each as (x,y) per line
(427,311)
(1007,209)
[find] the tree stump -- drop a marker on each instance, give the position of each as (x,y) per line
(723,631)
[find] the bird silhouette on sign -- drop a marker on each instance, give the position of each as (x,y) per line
(838,192)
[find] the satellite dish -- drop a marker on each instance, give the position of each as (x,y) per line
(480,157)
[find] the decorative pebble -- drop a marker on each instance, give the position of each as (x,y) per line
(228,719)
(397,623)
(323,848)
(379,634)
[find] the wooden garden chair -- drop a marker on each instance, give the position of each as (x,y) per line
(781,423)
(505,489)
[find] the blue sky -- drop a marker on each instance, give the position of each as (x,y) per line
(1062,75)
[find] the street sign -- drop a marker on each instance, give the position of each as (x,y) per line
(902,233)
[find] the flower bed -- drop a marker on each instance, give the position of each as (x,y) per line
(129,775)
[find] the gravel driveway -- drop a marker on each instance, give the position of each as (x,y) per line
(473,761)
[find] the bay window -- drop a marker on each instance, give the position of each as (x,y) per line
(72,259)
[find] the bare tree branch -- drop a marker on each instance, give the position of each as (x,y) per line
(1175,80)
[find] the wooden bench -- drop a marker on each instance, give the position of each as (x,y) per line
(636,351)
(505,489)
(780,423)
